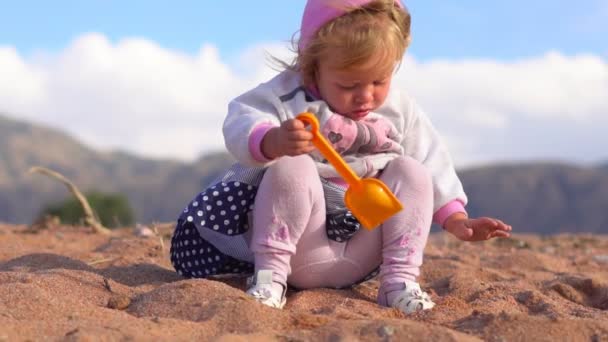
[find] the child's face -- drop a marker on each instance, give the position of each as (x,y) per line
(354,92)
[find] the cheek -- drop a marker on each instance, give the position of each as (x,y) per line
(340,101)
(381,94)
(340,96)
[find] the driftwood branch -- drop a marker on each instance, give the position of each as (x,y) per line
(89,217)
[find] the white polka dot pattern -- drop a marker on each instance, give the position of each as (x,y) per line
(193,257)
(223,208)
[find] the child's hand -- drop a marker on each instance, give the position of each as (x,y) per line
(290,139)
(483,228)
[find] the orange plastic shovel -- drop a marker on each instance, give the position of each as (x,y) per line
(370,200)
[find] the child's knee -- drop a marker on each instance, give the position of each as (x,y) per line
(410,170)
(290,168)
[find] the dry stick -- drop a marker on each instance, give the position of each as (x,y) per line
(162,243)
(106,284)
(89,218)
(100,261)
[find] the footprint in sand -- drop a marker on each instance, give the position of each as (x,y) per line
(584,291)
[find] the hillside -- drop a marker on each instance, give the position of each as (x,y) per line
(533,197)
(157,189)
(541,197)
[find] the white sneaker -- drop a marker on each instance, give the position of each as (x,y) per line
(406,296)
(265,291)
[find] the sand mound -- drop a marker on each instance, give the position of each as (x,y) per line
(67,283)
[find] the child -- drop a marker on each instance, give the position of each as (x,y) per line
(299,231)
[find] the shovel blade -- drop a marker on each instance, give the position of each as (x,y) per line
(371,202)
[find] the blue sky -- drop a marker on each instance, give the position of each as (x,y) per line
(442,29)
(501,80)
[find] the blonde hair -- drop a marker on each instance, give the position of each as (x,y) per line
(378,27)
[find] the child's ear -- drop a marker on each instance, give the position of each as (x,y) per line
(310,79)
(315,75)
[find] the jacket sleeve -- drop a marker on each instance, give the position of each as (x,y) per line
(422,142)
(249,113)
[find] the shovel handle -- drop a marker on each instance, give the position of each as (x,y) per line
(328,151)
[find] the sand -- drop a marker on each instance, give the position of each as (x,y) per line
(68,283)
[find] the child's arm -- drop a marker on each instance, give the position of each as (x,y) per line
(422,142)
(250,117)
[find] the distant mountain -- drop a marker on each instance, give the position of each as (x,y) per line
(541,197)
(157,189)
(533,197)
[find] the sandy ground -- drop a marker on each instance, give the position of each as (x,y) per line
(68,283)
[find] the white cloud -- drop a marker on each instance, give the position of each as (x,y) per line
(133,95)
(492,110)
(20,83)
(549,86)
(139,96)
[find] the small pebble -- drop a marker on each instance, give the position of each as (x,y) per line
(119,302)
(603,259)
(143,231)
(386,330)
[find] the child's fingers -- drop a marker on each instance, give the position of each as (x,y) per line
(503,226)
(483,222)
(294,125)
(493,224)
(499,233)
(294,148)
(466,234)
(298,144)
(299,135)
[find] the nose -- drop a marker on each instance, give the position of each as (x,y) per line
(365,94)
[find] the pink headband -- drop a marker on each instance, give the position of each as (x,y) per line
(319,12)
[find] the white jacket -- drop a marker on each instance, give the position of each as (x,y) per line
(284,97)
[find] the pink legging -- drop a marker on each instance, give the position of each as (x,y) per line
(289,235)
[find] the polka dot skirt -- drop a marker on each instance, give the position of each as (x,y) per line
(194,257)
(341,226)
(224,208)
